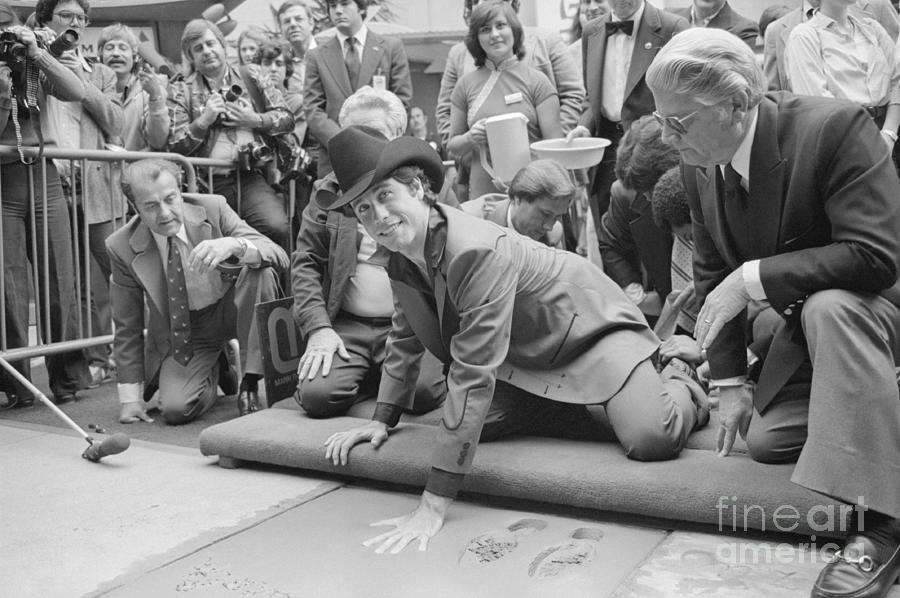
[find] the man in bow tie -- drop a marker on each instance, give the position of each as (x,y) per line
(617,50)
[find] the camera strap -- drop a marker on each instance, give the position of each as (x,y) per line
(32,81)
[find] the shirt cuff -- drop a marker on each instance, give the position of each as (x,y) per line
(727,382)
(444,483)
(750,273)
(387,414)
(130,392)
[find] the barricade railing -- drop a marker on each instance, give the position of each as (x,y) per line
(40,290)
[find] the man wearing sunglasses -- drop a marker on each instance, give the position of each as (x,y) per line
(794,202)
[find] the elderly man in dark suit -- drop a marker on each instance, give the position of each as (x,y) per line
(718,14)
(354,57)
(168,258)
(617,49)
(794,201)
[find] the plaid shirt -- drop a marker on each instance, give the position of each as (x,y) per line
(187,98)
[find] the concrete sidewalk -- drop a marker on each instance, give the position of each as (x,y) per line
(160,521)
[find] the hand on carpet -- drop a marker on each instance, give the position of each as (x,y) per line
(130,413)
(735,411)
(320,349)
(338,445)
(421,525)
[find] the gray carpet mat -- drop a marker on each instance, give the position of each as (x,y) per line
(734,493)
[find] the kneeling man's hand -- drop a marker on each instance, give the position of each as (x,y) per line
(320,349)
(130,413)
(337,447)
(735,411)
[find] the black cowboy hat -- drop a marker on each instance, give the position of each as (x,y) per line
(362,156)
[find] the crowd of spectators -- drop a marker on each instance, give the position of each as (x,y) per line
(285,106)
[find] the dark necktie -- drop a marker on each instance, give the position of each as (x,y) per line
(352,60)
(626,27)
(736,210)
(180,319)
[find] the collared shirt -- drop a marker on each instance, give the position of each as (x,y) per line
(202,291)
(616,64)
(697,22)
(360,36)
(368,293)
(858,63)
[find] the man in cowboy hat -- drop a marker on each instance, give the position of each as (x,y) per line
(528,334)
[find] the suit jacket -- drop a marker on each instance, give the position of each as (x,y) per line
(729,20)
(822,214)
(499,214)
(780,29)
(501,306)
(629,240)
(655,30)
(138,279)
(328,85)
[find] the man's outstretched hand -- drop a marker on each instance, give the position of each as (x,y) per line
(422,524)
(338,445)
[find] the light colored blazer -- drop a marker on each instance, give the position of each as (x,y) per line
(728,20)
(327,84)
(507,308)
(138,278)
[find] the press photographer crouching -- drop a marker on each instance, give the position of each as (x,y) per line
(224,112)
(28,74)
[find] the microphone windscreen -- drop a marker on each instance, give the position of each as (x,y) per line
(115,444)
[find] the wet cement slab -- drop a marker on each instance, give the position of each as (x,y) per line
(689,565)
(316,549)
(69,526)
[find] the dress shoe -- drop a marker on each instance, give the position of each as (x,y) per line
(64,396)
(858,571)
(248,402)
(14,401)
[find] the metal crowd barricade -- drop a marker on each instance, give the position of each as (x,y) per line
(40,272)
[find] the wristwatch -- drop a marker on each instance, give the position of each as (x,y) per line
(243,250)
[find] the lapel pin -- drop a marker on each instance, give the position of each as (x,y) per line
(648,45)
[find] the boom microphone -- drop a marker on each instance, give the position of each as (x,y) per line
(113,445)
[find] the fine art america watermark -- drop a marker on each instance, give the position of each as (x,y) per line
(829,520)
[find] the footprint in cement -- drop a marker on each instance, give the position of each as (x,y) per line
(561,558)
(494,545)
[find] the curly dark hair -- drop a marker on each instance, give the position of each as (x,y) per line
(669,201)
(482,15)
(643,156)
(272,49)
(43,10)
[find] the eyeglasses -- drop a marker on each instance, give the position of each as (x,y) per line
(71,16)
(673,122)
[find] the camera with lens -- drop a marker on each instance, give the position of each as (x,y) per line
(254,155)
(12,51)
(295,163)
(231,93)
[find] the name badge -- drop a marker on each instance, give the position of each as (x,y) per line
(379,82)
(512,98)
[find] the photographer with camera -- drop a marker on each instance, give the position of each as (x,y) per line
(28,74)
(141,91)
(224,112)
(88,124)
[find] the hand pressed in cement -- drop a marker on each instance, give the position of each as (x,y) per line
(494,545)
(560,558)
(421,525)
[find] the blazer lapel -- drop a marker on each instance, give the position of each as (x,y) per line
(148,267)
(596,46)
(371,58)
(196,225)
(766,199)
(647,43)
(334,60)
